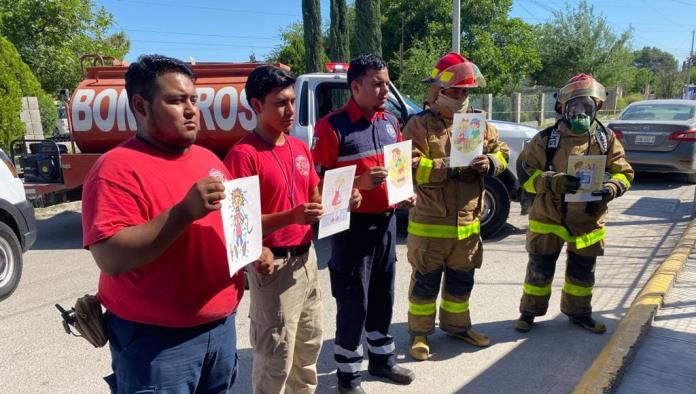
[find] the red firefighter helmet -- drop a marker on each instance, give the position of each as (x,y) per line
(454,70)
(582,85)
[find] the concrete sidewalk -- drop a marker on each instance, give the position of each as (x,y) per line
(666,360)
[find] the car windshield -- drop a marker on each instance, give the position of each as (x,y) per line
(658,112)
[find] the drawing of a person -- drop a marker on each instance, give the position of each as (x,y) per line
(240,221)
(397,167)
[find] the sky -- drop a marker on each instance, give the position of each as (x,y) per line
(217,30)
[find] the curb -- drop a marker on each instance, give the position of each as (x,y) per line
(605,372)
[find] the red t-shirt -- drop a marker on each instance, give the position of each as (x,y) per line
(363,139)
(287,178)
(189,284)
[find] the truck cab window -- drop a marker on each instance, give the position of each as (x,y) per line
(330,96)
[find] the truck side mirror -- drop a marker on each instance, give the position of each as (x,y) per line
(63,94)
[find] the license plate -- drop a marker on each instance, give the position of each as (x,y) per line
(645,139)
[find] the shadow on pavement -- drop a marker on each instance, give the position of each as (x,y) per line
(60,231)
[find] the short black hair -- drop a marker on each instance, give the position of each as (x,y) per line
(360,65)
(264,79)
(142,74)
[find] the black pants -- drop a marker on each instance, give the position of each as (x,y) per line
(362,282)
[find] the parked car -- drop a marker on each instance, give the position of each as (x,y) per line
(17,226)
(659,136)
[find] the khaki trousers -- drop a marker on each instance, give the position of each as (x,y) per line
(286,326)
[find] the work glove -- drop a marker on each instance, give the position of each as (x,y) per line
(608,192)
(562,183)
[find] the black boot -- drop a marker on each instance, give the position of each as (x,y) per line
(396,373)
(524,323)
(588,323)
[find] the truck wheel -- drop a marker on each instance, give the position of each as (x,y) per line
(10,261)
(496,207)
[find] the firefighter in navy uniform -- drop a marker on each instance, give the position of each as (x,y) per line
(552,221)
(444,246)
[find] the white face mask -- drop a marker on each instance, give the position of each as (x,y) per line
(451,104)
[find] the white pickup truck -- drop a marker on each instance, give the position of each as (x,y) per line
(320,93)
(17,226)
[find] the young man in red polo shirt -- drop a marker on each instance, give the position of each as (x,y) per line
(363,257)
(286,307)
(150,219)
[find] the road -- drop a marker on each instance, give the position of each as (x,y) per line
(38,357)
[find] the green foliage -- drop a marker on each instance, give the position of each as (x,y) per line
(578,41)
(311,16)
(339,50)
(628,99)
(51,35)
(654,60)
(16,80)
(368,29)
(292,49)
(504,49)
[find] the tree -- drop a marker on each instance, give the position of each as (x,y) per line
(504,49)
(50,36)
(16,81)
(654,59)
(578,41)
(338,32)
(292,50)
(311,17)
(368,27)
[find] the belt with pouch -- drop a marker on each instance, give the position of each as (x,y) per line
(285,252)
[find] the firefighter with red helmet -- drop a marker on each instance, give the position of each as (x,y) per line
(553,220)
(443,229)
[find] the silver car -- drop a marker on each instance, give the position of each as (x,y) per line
(659,136)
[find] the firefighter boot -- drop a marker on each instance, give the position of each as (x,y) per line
(472,337)
(524,323)
(420,350)
(588,323)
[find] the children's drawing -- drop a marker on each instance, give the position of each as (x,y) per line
(590,170)
(335,198)
(467,138)
(241,218)
(397,160)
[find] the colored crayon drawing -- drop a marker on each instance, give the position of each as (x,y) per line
(239,215)
(398,167)
(469,136)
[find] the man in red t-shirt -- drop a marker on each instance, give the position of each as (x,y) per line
(286,306)
(151,221)
(363,257)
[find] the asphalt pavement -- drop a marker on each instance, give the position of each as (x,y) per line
(644,225)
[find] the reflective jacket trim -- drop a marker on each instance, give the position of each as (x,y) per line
(580,241)
(421,309)
(529,184)
(425,166)
(454,307)
(501,158)
(536,290)
(621,178)
(578,291)
(444,230)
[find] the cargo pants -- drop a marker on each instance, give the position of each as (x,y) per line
(576,296)
(286,315)
(431,259)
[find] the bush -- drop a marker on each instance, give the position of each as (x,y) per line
(17,80)
(628,99)
(10,97)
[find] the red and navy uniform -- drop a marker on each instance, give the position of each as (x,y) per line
(363,257)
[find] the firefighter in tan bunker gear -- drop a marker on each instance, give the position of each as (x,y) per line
(552,220)
(443,228)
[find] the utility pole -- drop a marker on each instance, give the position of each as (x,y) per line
(691,55)
(401,53)
(456,30)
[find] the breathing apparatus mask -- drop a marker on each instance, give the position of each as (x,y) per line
(580,112)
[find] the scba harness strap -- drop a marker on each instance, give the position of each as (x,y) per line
(553,141)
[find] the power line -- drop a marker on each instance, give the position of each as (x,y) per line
(202,44)
(200,34)
(200,7)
